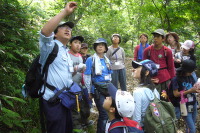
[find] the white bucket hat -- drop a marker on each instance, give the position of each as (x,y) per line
(125,103)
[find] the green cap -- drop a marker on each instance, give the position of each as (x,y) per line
(159,31)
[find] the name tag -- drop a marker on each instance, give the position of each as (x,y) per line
(158,66)
(71,69)
(190,99)
(107,77)
(117,63)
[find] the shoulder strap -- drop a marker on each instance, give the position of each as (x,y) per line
(49,60)
(51,57)
(116,124)
(165,51)
(115,51)
(93,66)
(149,52)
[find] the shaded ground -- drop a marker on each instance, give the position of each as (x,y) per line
(131,84)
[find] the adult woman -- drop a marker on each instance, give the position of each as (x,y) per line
(116,55)
(96,77)
(138,52)
(172,41)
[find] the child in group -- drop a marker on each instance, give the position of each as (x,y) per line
(172,40)
(185,83)
(116,55)
(84,52)
(96,77)
(187,52)
(144,71)
(163,58)
(138,51)
(118,105)
(79,119)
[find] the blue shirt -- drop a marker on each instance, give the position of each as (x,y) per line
(59,74)
(97,78)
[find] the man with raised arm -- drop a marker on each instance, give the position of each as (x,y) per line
(58,117)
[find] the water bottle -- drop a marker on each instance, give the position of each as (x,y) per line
(183,105)
(183,109)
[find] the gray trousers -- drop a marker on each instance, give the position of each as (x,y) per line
(119,76)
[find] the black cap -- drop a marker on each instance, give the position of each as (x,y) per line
(187,66)
(84,45)
(61,24)
(80,38)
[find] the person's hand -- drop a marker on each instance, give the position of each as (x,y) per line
(197,86)
(69,8)
(155,80)
(178,60)
(164,94)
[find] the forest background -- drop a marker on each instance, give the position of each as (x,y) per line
(21,21)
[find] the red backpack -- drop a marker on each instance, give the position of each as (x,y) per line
(129,126)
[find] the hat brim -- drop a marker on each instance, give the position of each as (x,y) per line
(185,47)
(70,24)
(136,64)
(174,35)
(157,33)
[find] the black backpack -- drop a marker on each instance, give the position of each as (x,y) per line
(36,77)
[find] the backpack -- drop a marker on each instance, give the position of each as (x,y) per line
(130,126)
(170,95)
(36,77)
(160,117)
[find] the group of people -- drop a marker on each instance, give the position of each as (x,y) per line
(153,66)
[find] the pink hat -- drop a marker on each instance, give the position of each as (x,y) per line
(188,44)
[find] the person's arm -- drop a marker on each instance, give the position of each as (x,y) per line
(51,25)
(170,63)
(123,55)
(137,116)
(108,53)
(87,74)
(191,90)
(176,92)
(135,56)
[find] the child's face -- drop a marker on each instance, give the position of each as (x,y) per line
(84,50)
(171,39)
(157,39)
(100,48)
(185,51)
(137,72)
(143,39)
(115,39)
(107,103)
(75,46)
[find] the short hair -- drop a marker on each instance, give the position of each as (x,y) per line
(116,111)
(144,35)
(146,80)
